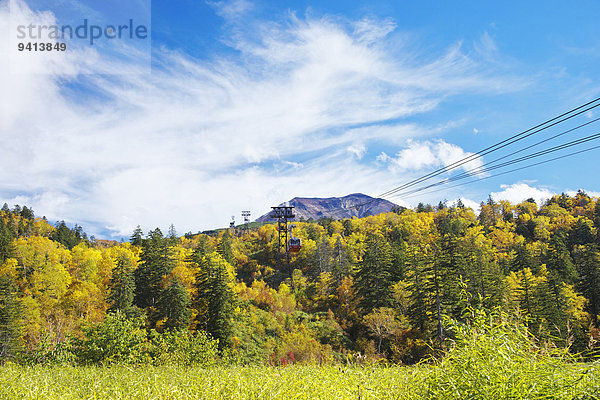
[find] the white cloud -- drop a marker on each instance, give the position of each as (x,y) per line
(231,10)
(430,154)
(486,46)
(573,193)
(383,158)
(198,139)
(293,164)
(518,192)
(357,150)
(467,203)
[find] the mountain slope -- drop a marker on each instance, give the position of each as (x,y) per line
(354,205)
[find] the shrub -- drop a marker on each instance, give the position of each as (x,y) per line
(117,339)
(48,351)
(180,347)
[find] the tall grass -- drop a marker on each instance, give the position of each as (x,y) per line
(492,359)
(495,358)
(167,382)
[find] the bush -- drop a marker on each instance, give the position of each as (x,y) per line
(50,352)
(122,340)
(180,347)
(117,339)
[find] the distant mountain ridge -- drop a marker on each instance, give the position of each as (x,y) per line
(353,205)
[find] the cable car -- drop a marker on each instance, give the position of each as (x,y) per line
(294,244)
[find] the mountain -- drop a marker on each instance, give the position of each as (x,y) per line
(354,205)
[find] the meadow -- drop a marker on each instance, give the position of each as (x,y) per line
(494,362)
(577,381)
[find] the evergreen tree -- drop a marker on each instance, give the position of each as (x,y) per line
(215,298)
(204,248)
(583,232)
(27,213)
(490,213)
(172,236)
(596,217)
(526,296)
(11,311)
(424,208)
(481,273)
(373,277)
(225,247)
(522,258)
(175,306)
(558,259)
(122,286)
(449,269)
(137,238)
(420,275)
(587,260)
(552,305)
(155,264)
(7,249)
(66,236)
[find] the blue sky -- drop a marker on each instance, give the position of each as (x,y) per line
(250,103)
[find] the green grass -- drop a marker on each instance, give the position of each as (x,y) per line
(294,382)
(491,359)
(566,381)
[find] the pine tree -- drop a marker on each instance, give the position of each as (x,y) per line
(155,264)
(7,249)
(172,236)
(225,248)
(11,311)
(479,270)
(522,258)
(449,268)
(596,217)
(587,260)
(373,277)
(122,286)
(175,306)
(420,275)
(526,297)
(214,299)
(137,238)
(67,237)
(558,259)
(583,232)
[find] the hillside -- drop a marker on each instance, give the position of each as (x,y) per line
(353,205)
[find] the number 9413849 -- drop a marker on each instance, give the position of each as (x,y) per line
(42,46)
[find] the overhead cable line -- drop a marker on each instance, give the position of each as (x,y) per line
(495,147)
(508,172)
(470,172)
(484,168)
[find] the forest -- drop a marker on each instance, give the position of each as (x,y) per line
(394,288)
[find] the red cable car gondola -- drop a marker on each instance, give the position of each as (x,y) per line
(294,244)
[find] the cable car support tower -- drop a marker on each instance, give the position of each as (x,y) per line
(285,239)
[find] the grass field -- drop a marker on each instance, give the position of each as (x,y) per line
(489,360)
(572,381)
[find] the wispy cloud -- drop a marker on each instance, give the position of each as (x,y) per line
(198,139)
